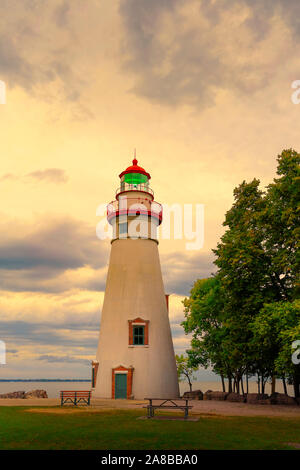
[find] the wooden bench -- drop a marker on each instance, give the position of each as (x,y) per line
(167,403)
(75,397)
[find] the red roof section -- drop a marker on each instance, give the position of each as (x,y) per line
(135,168)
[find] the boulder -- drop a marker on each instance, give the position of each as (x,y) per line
(211,395)
(13,395)
(36,394)
(282,399)
(236,397)
(264,401)
(258,398)
(193,395)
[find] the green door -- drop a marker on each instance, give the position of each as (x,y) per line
(120,385)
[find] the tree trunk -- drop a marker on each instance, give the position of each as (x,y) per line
(296,383)
(247,382)
(190,384)
(223,383)
(238,385)
(273,390)
(242,385)
(258,383)
(262,385)
(229,384)
(284,386)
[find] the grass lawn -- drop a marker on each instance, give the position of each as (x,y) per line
(119,429)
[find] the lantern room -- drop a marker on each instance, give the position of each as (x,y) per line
(134,178)
(134,213)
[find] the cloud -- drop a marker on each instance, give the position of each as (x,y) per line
(8,177)
(51,255)
(38,45)
(27,334)
(55,245)
(56,255)
(13,67)
(61,14)
(34,346)
(66,359)
(55,325)
(53,175)
(185,52)
(49,175)
(63,326)
(181,270)
(178,51)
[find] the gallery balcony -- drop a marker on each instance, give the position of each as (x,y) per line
(132,207)
(143,187)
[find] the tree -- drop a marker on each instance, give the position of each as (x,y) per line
(258,265)
(184,368)
(243,273)
(281,226)
(240,256)
(275,328)
(204,315)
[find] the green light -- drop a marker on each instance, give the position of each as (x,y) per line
(135,178)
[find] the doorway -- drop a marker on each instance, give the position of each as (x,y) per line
(120,385)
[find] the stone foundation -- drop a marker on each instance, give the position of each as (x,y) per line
(23,395)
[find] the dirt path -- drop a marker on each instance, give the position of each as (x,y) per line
(207,407)
(243,409)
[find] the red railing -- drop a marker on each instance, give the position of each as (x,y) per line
(126,206)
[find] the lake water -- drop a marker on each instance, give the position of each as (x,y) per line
(53,388)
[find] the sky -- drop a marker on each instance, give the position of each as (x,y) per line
(202,90)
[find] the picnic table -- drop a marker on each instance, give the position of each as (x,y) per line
(167,403)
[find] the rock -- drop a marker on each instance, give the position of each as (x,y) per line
(282,399)
(264,401)
(13,395)
(206,395)
(193,395)
(210,395)
(36,394)
(258,398)
(236,397)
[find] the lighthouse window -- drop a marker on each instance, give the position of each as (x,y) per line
(138,335)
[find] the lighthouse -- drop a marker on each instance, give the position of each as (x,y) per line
(135,355)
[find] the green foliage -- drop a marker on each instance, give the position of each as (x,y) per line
(257,280)
(281,223)
(185,369)
(275,328)
(204,312)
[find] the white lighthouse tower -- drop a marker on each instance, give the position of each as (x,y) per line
(135,355)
